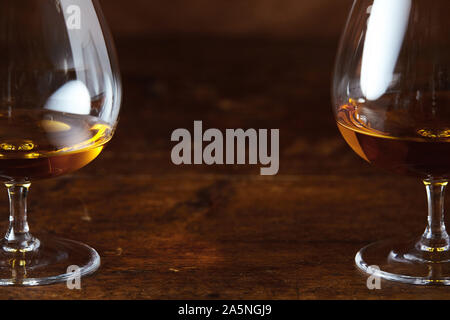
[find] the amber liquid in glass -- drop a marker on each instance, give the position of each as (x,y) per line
(44,144)
(419,151)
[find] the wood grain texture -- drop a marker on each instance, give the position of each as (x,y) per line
(167,232)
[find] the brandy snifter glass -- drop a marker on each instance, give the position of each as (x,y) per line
(60,96)
(391,96)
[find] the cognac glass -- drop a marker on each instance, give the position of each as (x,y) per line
(391,96)
(60,95)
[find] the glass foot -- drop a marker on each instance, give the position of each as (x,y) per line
(407,262)
(52,260)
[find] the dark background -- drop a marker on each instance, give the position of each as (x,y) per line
(231,64)
(225,232)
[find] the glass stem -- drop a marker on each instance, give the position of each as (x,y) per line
(18,237)
(435,237)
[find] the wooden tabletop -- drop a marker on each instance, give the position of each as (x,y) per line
(225,232)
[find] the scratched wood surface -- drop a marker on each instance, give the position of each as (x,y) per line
(167,232)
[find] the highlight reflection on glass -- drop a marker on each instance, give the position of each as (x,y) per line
(60,96)
(391,96)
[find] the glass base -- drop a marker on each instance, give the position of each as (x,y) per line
(53,260)
(407,262)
